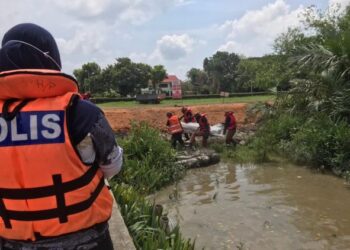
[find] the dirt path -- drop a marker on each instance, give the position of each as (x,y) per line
(120,118)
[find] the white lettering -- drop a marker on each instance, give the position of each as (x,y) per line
(34,127)
(49,122)
(15,136)
(3,129)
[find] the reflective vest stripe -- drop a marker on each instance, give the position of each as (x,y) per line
(40,192)
(55,212)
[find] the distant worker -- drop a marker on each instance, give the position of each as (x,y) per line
(175,129)
(229,127)
(203,130)
(188,117)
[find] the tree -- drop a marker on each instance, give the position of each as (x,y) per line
(222,70)
(199,80)
(88,76)
(109,80)
(131,76)
(262,73)
(158,74)
(323,58)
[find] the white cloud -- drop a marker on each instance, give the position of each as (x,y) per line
(173,47)
(87,8)
(168,48)
(254,33)
(129,11)
(86,40)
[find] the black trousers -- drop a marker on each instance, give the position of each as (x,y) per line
(176,138)
(94,238)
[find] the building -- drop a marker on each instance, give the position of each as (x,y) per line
(166,86)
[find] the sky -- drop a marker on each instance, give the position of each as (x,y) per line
(176,33)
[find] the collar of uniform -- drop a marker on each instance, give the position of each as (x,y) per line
(31,84)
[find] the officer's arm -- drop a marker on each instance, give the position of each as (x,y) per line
(100,145)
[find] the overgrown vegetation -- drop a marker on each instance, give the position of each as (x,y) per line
(149,160)
(310,122)
(145,222)
(149,165)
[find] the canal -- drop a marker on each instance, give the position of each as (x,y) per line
(269,206)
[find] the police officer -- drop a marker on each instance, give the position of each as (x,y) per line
(175,129)
(56,149)
(203,129)
(230,127)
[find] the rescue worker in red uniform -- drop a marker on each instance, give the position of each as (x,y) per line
(229,127)
(56,150)
(175,129)
(188,117)
(203,130)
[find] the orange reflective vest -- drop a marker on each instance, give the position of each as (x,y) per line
(174,125)
(45,189)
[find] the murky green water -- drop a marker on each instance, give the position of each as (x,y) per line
(275,206)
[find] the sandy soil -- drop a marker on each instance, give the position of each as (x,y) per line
(120,118)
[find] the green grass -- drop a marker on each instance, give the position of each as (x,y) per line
(186,102)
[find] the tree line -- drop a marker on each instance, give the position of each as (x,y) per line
(122,78)
(223,71)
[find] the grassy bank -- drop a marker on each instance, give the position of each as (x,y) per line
(164,103)
(316,141)
(147,223)
(148,166)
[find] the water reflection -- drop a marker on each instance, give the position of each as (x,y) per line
(276,206)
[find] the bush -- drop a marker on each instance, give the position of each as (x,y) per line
(149,165)
(144,223)
(149,160)
(321,142)
(316,140)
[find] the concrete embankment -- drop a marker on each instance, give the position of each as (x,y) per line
(119,232)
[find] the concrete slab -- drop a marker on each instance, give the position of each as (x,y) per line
(119,232)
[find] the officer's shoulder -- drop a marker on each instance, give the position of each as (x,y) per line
(85,106)
(82,111)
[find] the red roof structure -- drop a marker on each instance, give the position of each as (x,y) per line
(170,78)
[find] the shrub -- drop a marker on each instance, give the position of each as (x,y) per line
(149,160)
(321,142)
(144,223)
(316,140)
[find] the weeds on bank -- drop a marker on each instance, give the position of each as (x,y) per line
(149,164)
(316,141)
(149,160)
(145,223)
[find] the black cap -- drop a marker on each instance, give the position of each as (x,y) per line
(29,46)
